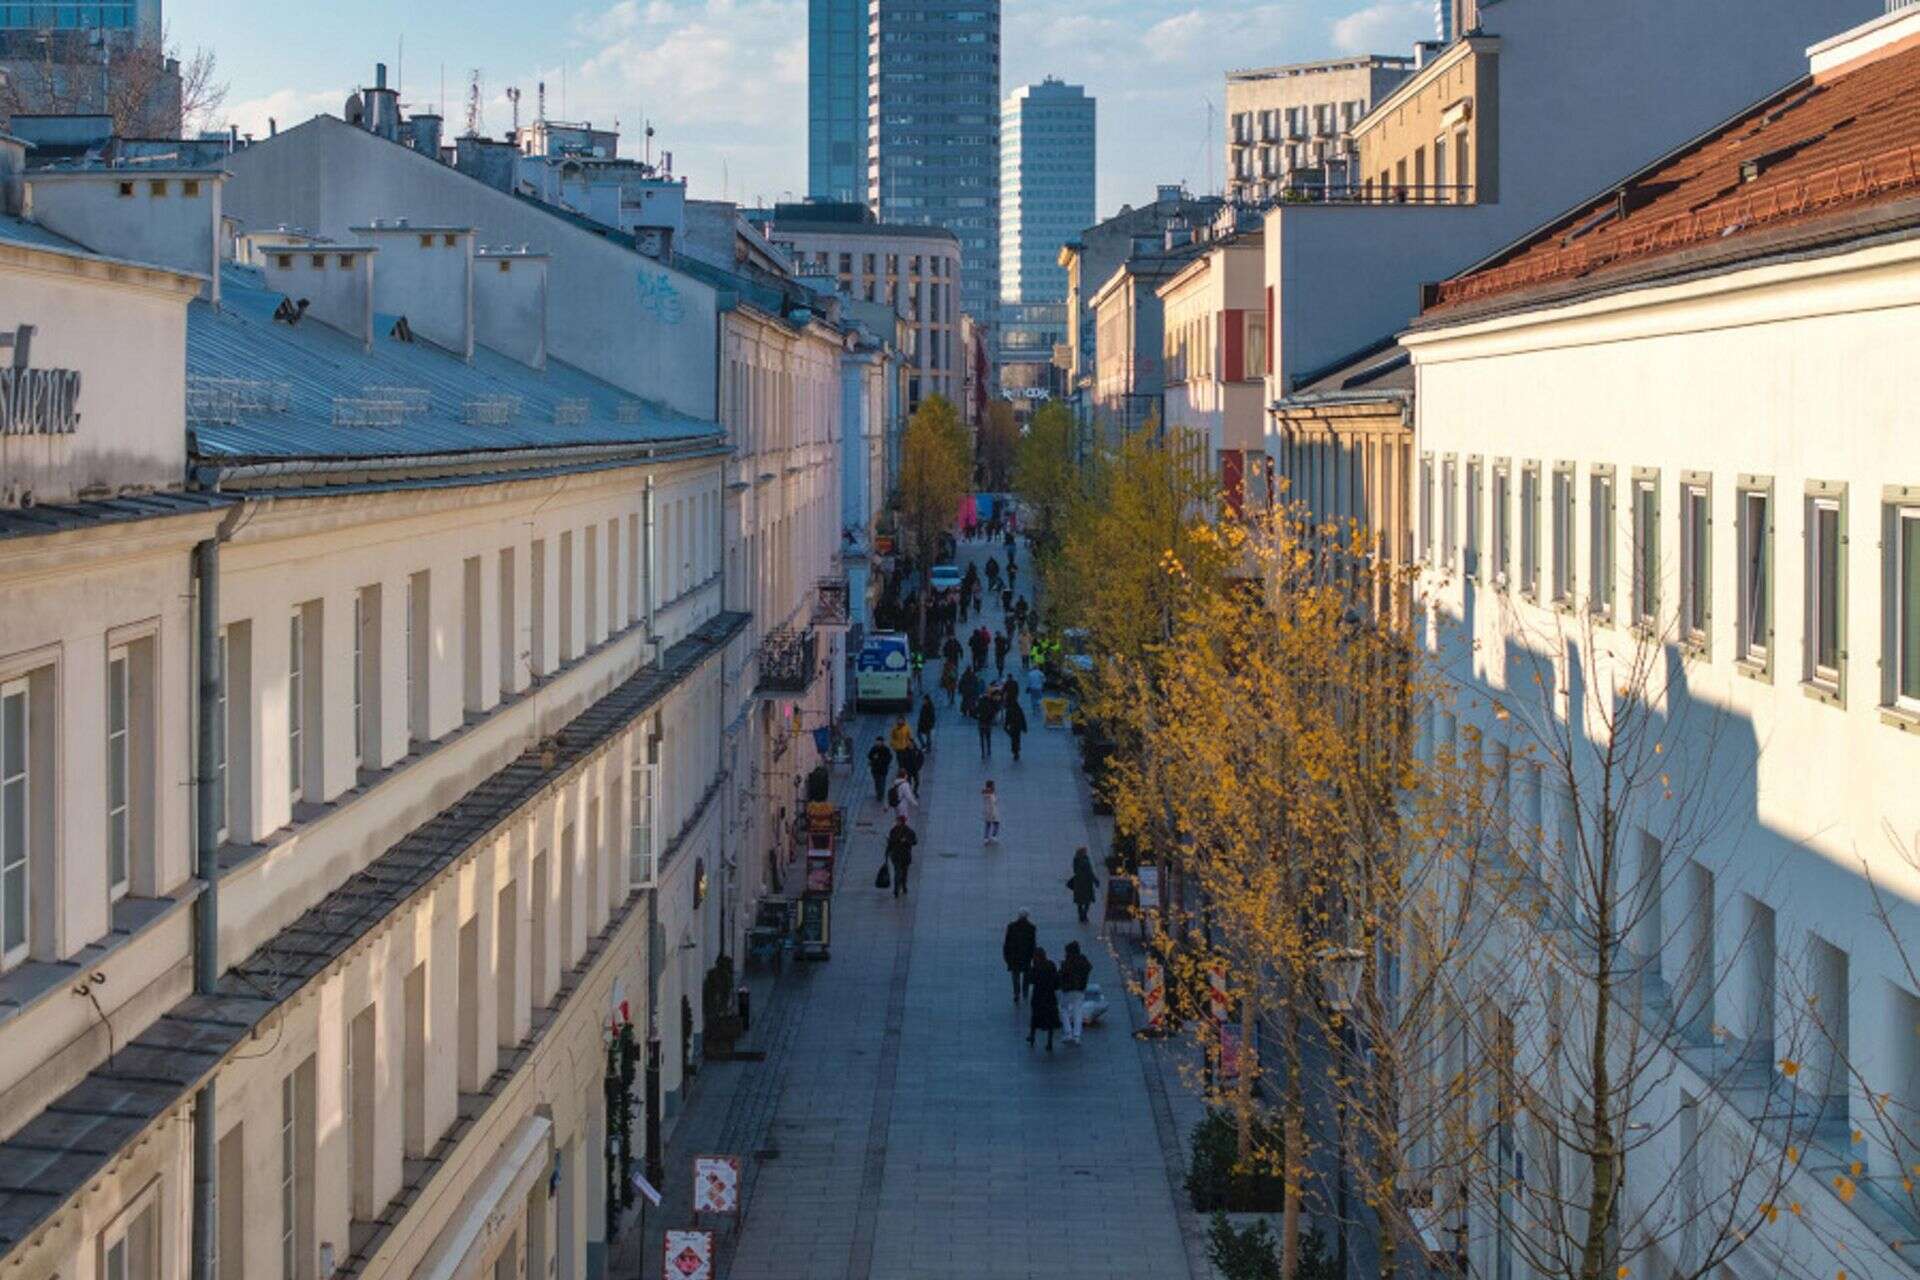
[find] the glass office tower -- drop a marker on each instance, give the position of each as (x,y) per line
(837,100)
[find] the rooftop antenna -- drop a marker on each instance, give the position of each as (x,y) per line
(647,140)
(473,103)
(540,103)
(513,96)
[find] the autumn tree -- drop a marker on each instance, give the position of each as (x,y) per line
(935,469)
(999,440)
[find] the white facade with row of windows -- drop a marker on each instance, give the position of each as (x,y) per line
(1722,468)
(479,788)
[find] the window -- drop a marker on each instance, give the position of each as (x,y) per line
(1562,534)
(119,773)
(222,728)
(1426,508)
(1502,522)
(645,778)
(190,187)
(366,677)
(296,1172)
(1826,585)
(1646,549)
(129,1250)
(16,818)
(296,701)
(126,189)
(1449,510)
(319,262)
(1696,559)
(1473,518)
(419,676)
(1600,542)
(1754,517)
(1905,601)
(359,677)
(1530,530)
(157,187)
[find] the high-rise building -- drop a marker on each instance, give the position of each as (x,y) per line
(933,129)
(90,57)
(1046,194)
(837,100)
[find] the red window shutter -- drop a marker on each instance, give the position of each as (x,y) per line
(1234,346)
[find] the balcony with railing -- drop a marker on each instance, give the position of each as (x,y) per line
(787,660)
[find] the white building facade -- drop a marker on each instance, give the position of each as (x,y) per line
(1687,432)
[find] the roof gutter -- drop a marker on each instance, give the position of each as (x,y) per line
(1338,399)
(215,475)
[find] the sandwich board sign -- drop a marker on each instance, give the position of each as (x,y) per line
(688,1255)
(716,1184)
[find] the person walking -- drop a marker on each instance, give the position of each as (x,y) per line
(1075,971)
(978,643)
(900,737)
(950,652)
(900,842)
(879,761)
(1082,882)
(1015,720)
(1036,687)
(1043,983)
(990,813)
(927,716)
(1024,647)
(1013,572)
(993,573)
(950,682)
(901,797)
(910,762)
(969,692)
(1017,949)
(985,713)
(1001,644)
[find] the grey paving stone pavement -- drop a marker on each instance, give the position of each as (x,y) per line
(914,1133)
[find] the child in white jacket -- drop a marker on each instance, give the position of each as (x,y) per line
(990,811)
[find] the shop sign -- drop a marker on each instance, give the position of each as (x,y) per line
(35,402)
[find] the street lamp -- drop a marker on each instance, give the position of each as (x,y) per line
(1340,974)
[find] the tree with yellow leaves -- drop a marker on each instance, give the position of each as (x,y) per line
(935,472)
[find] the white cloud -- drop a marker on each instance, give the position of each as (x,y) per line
(285,107)
(1388,26)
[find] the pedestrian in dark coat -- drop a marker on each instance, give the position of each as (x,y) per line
(1016,722)
(969,692)
(950,652)
(1082,882)
(1001,644)
(879,760)
(985,714)
(1075,972)
(949,682)
(910,761)
(900,842)
(978,643)
(1044,984)
(925,727)
(1017,950)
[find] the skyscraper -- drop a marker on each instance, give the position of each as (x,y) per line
(1047,199)
(933,129)
(837,100)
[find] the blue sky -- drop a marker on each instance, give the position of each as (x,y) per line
(724,81)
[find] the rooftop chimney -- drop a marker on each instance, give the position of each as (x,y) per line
(426,275)
(333,283)
(510,304)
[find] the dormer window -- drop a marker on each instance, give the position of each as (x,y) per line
(426,242)
(319,262)
(447,240)
(126,189)
(157,187)
(506,266)
(346,260)
(190,187)
(284,261)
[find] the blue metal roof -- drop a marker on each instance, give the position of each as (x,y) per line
(314,364)
(17,230)
(29,522)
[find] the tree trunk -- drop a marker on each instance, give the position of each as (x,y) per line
(1243,1085)
(1294,1138)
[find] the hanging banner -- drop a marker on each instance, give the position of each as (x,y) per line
(688,1255)
(716,1184)
(1155,994)
(1217,990)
